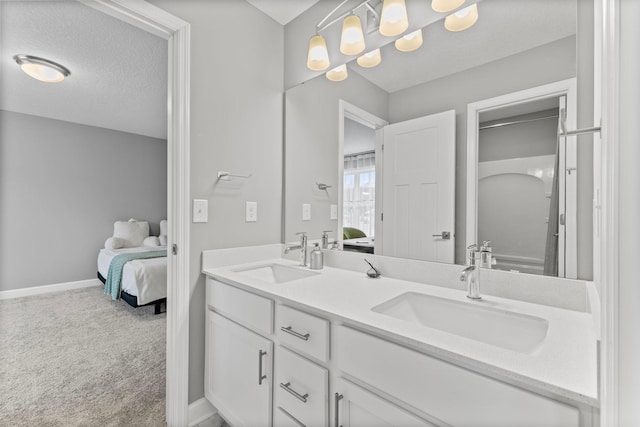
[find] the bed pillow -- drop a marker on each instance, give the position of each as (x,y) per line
(151,241)
(114,243)
(132,232)
(163,232)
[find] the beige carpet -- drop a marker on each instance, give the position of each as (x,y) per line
(76,358)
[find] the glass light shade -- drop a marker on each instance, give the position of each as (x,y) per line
(352,40)
(370,59)
(462,19)
(318,57)
(338,74)
(446,5)
(410,42)
(42,69)
(393,20)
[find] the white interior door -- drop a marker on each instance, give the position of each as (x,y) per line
(418,201)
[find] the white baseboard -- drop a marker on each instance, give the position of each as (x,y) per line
(37,290)
(200,410)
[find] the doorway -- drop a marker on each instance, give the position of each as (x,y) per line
(522,185)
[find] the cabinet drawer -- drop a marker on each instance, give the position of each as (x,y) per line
(303,332)
(301,388)
(282,419)
(452,394)
(251,310)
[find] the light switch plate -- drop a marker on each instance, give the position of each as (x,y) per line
(200,210)
(251,212)
(306,212)
(334,212)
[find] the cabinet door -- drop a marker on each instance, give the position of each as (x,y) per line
(238,372)
(358,407)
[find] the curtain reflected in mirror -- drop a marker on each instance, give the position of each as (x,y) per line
(360,192)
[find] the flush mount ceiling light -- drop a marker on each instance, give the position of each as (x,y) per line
(318,57)
(370,59)
(338,74)
(393,20)
(462,19)
(410,42)
(446,5)
(42,69)
(352,40)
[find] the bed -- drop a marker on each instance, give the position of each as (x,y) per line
(144,281)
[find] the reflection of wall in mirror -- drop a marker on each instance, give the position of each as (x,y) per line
(312,116)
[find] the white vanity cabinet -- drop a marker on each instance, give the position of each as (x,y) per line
(444,391)
(356,407)
(239,361)
(268,363)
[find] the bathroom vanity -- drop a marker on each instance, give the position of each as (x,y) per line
(288,346)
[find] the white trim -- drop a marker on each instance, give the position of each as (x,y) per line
(200,410)
(177,32)
(367,119)
(46,289)
(564,87)
(609,256)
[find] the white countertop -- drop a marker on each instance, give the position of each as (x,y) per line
(565,364)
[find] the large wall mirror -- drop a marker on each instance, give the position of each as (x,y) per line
(338,174)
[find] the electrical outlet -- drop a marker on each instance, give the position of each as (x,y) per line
(200,210)
(306,212)
(334,212)
(251,212)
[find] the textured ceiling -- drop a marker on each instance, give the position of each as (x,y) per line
(118,72)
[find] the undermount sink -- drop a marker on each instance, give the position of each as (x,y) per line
(513,331)
(275,273)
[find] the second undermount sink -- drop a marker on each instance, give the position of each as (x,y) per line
(507,329)
(275,273)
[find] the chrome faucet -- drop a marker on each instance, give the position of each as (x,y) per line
(471,273)
(326,244)
(302,246)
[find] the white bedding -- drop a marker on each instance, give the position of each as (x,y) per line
(145,279)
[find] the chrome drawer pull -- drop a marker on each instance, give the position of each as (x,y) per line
(289,330)
(302,397)
(261,376)
(338,398)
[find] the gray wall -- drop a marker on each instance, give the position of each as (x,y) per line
(62,186)
(542,65)
(236,126)
(311,131)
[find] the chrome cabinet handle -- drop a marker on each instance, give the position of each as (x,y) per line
(289,330)
(338,398)
(287,387)
(261,376)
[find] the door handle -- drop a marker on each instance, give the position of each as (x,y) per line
(301,397)
(338,398)
(261,376)
(445,235)
(289,330)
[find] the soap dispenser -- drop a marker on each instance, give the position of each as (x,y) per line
(317,258)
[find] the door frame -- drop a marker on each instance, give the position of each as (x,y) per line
(564,87)
(369,120)
(177,33)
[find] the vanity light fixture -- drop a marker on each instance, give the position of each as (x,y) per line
(393,20)
(318,57)
(410,42)
(446,5)
(42,69)
(462,19)
(352,40)
(370,59)
(338,74)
